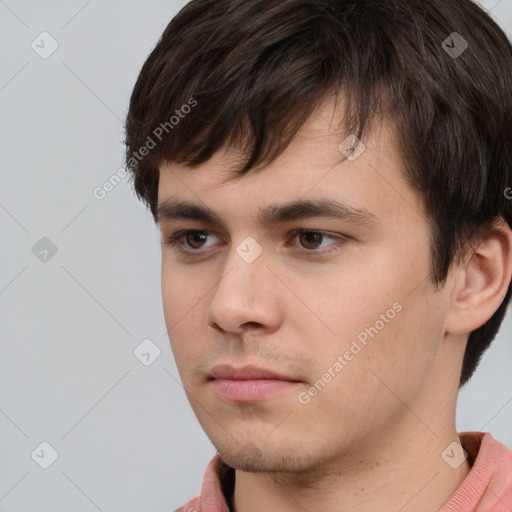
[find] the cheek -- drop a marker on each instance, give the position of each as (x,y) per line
(182,292)
(373,322)
(345,303)
(184,316)
(395,362)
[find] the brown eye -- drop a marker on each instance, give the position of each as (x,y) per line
(310,239)
(188,242)
(196,237)
(312,243)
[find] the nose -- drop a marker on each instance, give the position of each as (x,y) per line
(245,297)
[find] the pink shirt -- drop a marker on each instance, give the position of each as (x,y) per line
(486,488)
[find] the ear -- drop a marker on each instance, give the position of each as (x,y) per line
(481,281)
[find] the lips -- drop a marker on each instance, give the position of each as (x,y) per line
(249,372)
(249,383)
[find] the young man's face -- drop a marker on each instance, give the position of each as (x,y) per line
(353,320)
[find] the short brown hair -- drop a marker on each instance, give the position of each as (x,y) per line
(251,72)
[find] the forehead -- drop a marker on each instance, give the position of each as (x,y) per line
(314,166)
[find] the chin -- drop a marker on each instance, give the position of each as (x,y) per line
(248,458)
(251,459)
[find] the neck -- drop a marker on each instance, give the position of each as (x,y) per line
(397,471)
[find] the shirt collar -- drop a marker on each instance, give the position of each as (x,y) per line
(488,485)
(218,486)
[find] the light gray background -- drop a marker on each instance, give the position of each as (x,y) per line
(126,437)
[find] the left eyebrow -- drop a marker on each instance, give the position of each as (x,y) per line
(273,214)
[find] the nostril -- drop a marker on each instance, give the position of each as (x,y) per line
(252,324)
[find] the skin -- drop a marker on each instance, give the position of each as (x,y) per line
(372,438)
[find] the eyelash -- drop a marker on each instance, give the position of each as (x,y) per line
(174,241)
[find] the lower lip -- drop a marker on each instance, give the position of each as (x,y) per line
(250,390)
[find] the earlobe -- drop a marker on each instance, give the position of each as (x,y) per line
(482,281)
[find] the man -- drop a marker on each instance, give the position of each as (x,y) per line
(331,179)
